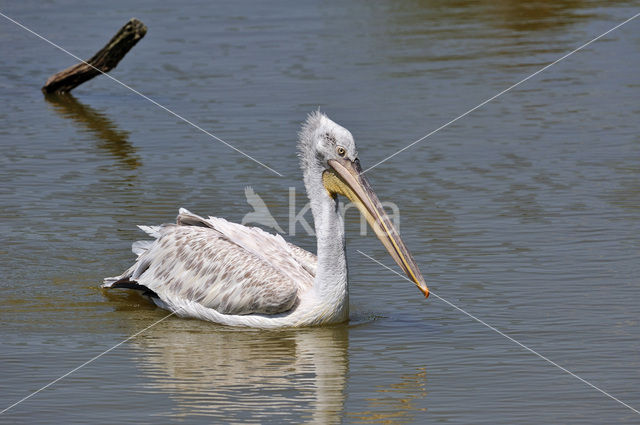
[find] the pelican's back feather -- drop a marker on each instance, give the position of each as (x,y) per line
(221,265)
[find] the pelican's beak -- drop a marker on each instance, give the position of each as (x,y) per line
(346,178)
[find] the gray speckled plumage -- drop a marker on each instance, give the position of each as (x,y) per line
(221,265)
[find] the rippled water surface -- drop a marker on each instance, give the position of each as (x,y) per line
(524,213)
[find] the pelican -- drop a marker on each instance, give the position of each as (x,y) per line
(230,274)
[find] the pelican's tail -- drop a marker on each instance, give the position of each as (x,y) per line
(138,248)
(127,279)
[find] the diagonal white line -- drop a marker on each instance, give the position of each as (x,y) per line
(501,93)
(196,126)
(507,336)
(86,363)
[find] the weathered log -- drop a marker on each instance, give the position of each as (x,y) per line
(103,61)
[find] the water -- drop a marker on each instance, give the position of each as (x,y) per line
(525,213)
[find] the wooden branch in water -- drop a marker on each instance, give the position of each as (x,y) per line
(103,61)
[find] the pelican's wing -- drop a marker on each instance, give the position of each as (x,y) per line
(306,259)
(274,249)
(225,266)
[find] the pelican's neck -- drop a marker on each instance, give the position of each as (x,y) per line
(331,273)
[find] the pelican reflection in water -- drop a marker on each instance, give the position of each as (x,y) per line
(245,375)
(235,275)
(232,375)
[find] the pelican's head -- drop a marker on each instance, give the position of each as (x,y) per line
(327,151)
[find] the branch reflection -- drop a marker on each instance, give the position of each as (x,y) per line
(112,140)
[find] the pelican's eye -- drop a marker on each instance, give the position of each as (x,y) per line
(341,151)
